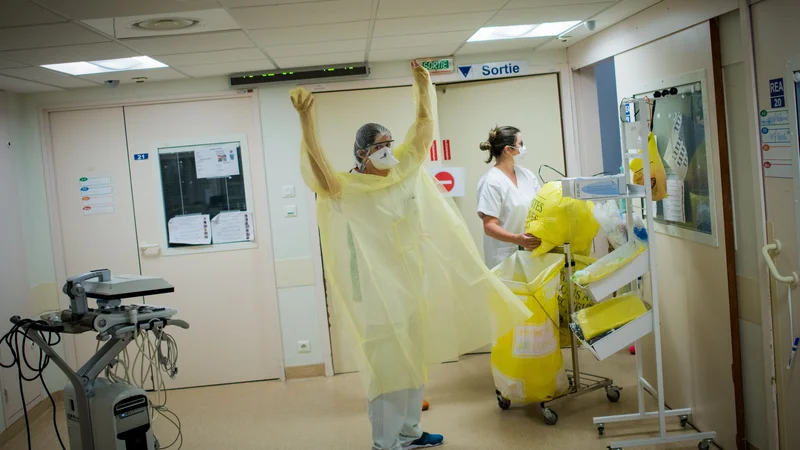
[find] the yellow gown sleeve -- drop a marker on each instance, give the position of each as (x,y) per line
(317,171)
(420,135)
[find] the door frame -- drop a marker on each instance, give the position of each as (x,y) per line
(51,190)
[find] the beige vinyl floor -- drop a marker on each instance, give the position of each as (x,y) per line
(332,414)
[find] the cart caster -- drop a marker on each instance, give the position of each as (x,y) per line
(684,421)
(550,416)
(502,402)
(613,393)
(601,429)
(704,445)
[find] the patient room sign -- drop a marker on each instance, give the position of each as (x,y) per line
(493,70)
(452,179)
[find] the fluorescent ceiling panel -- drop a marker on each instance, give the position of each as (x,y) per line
(522,31)
(68,53)
(105,66)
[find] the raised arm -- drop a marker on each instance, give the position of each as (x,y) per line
(317,171)
(420,135)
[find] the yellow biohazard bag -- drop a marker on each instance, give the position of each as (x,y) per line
(609,315)
(558,220)
(582,299)
(658,176)
(527,364)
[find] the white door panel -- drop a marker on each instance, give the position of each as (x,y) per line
(228,297)
(91,143)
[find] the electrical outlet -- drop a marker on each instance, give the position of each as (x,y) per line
(290,211)
(303,346)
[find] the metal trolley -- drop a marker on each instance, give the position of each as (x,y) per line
(580,383)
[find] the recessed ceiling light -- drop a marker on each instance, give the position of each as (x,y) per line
(522,31)
(107,65)
(165,24)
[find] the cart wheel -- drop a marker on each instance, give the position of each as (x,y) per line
(684,421)
(502,402)
(613,393)
(550,416)
(601,429)
(704,445)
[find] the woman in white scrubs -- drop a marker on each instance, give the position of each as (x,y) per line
(505,194)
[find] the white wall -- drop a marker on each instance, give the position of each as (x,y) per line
(293,239)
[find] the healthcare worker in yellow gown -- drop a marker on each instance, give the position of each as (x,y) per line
(404,276)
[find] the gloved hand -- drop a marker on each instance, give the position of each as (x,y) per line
(301,99)
(421,74)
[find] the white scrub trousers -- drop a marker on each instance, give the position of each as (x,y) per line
(395,419)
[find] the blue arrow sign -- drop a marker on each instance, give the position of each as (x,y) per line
(465,70)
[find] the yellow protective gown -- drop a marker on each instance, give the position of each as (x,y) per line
(403,271)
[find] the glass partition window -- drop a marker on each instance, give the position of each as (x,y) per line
(678,123)
(190,187)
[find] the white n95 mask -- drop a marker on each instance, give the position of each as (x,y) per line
(521,156)
(383,159)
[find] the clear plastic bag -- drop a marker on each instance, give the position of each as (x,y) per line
(614,224)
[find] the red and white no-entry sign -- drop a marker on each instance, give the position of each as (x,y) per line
(452,180)
(447,180)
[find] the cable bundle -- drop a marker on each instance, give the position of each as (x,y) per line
(12,340)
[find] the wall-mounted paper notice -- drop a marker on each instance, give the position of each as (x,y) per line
(193,229)
(674,210)
(217,160)
(96,195)
(232,227)
(677,156)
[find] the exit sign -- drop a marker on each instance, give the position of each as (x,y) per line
(438,65)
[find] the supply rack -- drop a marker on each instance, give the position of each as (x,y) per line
(635,145)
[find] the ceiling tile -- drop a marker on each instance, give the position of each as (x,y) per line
(7,64)
(615,14)
(390,9)
(17,13)
(127,76)
(546,14)
(122,27)
(320,60)
(419,25)
(218,57)
(243,3)
(41,75)
(399,54)
(193,43)
(38,36)
(311,33)
(419,40)
(16,85)
(300,14)
(209,70)
(497,46)
(70,53)
(518,4)
(317,48)
(98,9)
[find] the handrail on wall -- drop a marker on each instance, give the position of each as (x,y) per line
(767,251)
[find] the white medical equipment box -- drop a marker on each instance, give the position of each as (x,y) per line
(585,188)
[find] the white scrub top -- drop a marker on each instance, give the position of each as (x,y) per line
(499,197)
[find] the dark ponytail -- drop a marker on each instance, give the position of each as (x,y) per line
(499,138)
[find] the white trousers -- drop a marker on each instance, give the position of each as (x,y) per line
(395,419)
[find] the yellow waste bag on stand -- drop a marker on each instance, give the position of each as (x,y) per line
(558,220)
(658,176)
(582,299)
(527,364)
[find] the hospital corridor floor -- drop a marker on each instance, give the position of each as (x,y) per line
(331,413)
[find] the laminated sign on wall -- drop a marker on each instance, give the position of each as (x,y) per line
(776,143)
(96,195)
(217,160)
